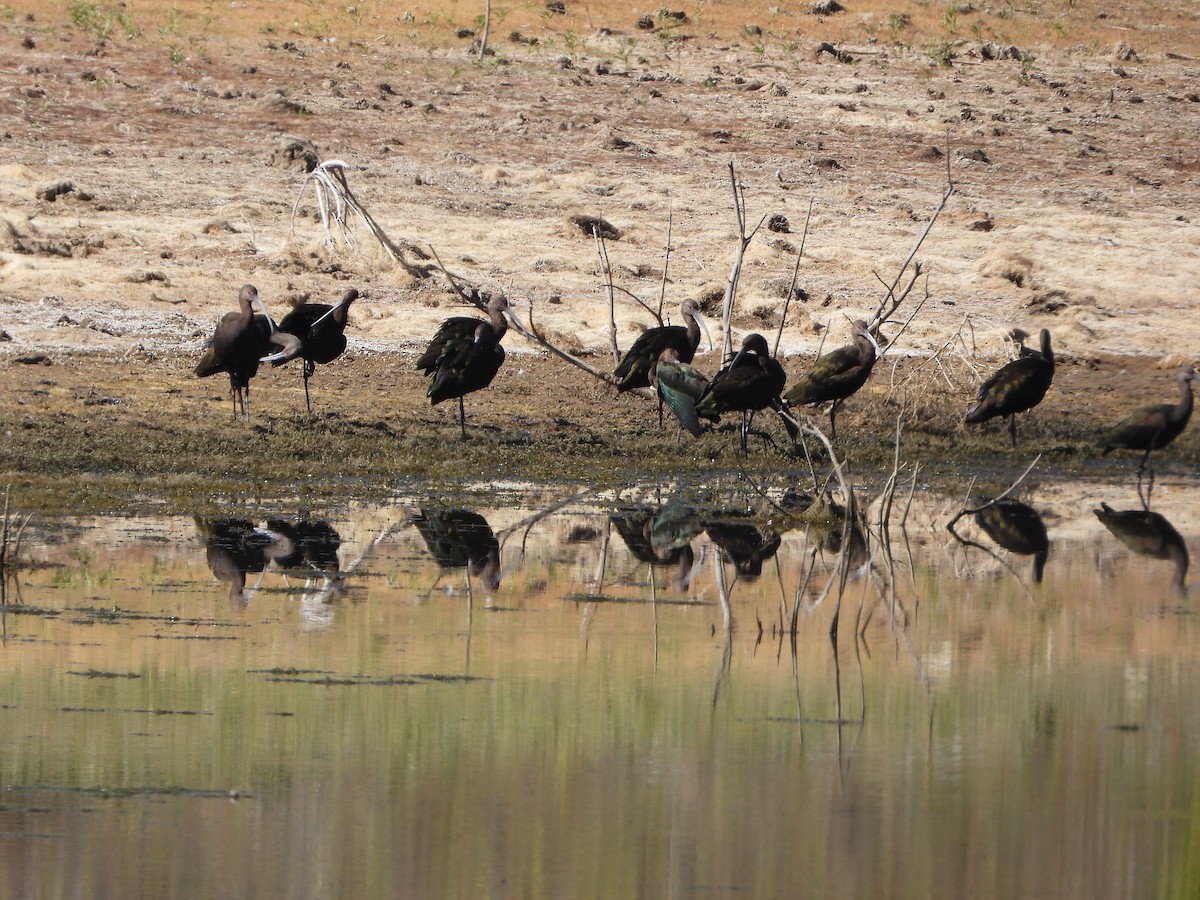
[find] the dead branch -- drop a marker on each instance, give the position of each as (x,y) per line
(487,27)
(934,357)
(891,301)
(606,271)
(335,200)
(662,289)
(744,239)
(787,301)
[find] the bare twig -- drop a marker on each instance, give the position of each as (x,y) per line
(970,511)
(662,290)
(487,27)
(744,239)
(787,301)
(606,271)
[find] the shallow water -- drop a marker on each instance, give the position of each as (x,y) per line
(504,698)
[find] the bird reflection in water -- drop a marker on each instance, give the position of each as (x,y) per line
(236,548)
(661,537)
(1017,528)
(828,526)
(313,557)
(1148,534)
(461,539)
(742,542)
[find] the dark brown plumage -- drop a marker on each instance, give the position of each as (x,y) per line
(836,375)
(1017,386)
(752,381)
(464,356)
(1018,528)
(461,538)
(240,341)
(1149,534)
(1152,427)
(321,332)
(635,367)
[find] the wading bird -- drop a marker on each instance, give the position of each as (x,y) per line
(1153,427)
(836,375)
(1017,386)
(636,366)
(321,332)
(239,342)
(752,381)
(464,356)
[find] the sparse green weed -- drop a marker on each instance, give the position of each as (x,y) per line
(101,21)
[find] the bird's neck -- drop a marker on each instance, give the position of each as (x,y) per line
(1183,409)
(499,325)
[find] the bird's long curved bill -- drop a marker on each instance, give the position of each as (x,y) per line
(263,309)
(516,321)
(707,333)
(328,313)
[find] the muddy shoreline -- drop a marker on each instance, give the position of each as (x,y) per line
(95,431)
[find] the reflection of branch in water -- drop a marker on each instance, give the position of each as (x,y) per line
(1008,567)
(970,511)
(727,627)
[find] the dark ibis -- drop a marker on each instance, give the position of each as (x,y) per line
(743,543)
(1153,427)
(239,342)
(753,380)
(235,548)
(1017,528)
(461,539)
(662,537)
(836,375)
(321,332)
(464,356)
(1149,534)
(636,367)
(1017,386)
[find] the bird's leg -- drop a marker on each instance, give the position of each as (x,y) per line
(233,397)
(1012,430)
(462,418)
(1142,467)
(832,424)
(745,431)
(307,402)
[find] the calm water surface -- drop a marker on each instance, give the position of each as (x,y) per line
(551,693)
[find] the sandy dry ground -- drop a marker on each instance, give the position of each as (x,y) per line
(1074,159)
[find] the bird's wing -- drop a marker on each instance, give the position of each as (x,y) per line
(680,386)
